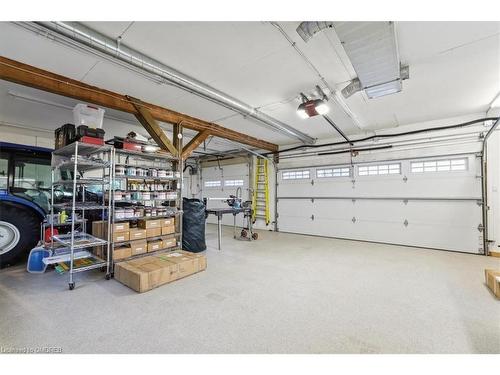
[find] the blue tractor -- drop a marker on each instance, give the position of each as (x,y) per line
(25,180)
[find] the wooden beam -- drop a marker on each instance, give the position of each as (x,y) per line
(194,143)
(27,75)
(150,124)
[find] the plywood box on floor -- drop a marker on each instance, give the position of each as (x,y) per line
(493,281)
(152,271)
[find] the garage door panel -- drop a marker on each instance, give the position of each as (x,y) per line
(436,210)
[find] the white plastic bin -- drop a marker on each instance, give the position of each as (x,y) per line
(85,114)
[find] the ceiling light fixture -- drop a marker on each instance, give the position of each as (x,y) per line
(312,107)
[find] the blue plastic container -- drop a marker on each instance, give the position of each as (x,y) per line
(35,260)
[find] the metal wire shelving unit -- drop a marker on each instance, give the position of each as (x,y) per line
(81,158)
(165,161)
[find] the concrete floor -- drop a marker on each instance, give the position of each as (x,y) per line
(281,294)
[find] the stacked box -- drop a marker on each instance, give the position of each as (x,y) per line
(149,272)
(493,281)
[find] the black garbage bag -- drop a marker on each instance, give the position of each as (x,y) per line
(193,225)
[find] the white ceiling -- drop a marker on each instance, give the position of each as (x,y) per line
(454,70)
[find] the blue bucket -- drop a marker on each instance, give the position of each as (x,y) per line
(35,260)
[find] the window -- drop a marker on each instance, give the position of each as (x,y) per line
(333,172)
(379,169)
(215,183)
(233,183)
(295,175)
(4,162)
(444,165)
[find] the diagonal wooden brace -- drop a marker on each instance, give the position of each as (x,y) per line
(194,143)
(152,126)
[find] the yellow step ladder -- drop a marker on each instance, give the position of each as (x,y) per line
(260,196)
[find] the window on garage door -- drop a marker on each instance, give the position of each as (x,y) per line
(333,172)
(212,183)
(299,174)
(439,165)
(379,169)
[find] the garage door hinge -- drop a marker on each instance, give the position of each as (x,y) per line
(312,182)
(405,223)
(480,227)
(353,219)
(405,179)
(353,201)
(312,217)
(479,202)
(405,201)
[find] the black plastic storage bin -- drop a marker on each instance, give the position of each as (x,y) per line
(193,225)
(85,131)
(64,135)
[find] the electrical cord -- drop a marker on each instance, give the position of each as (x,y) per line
(376,136)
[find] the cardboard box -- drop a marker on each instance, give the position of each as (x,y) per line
(153,232)
(121,252)
(495,254)
(139,247)
(152,271)
(100,228)
(168,230)
(121,236)
(150,223)
(186,263)
(137,234)
(121,227)
(155,245)
(169,242)
(493,281)
(168,222)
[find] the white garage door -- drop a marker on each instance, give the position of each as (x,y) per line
(431,202)
(221,182)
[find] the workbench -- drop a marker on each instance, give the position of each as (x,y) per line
(219,212)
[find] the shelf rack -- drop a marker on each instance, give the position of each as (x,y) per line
(127,158)
(80,158)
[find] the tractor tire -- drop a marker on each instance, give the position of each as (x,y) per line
(19,233)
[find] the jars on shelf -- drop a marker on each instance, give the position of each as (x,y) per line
(135,195)
(119,213)
(131,171)
(120,170)
(129,213)
(161,195)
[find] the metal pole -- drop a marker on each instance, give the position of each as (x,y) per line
(484,185)
(219,229)
(72,253)
(51,211)
(111,218)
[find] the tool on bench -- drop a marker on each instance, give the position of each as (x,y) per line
(236,206)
